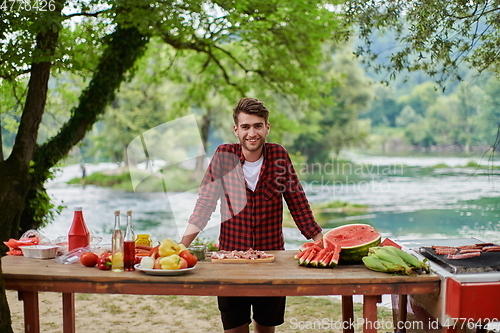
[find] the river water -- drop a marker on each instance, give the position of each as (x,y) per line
(448,203)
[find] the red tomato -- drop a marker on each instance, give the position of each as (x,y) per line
(189,257)
(89,259)
(184,263)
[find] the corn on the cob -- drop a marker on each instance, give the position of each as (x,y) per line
(408,258)
(376,264)
(389,256)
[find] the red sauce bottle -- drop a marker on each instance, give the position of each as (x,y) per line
(129,244)
(78,235)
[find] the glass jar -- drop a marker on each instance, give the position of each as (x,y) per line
(198,251)
(143,239)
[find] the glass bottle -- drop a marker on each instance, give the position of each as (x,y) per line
(78,235)
(129,244)
(117,246)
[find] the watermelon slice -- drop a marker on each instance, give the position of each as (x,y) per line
(300,254)
(317,244)
(354,241)
(325,261)
(311,256)
(304,255)
(315,261)
(335,259)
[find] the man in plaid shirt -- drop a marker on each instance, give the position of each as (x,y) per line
(250,179)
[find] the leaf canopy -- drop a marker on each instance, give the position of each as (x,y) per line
(431,35)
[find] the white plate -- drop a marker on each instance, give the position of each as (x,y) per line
(163,271)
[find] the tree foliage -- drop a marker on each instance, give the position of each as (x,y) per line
(432,36)
(463,119)
(335,126)
(249,43)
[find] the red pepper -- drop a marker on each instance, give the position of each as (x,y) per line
(104,262)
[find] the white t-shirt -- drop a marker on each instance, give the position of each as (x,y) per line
(251,171)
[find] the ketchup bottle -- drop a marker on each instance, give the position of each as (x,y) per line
(78,235)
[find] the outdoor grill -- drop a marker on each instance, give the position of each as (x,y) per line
(470,288)
(486,262)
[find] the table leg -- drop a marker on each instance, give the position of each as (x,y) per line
(31,311)
(68,305)
(370,313)
(402,312)
(347,314)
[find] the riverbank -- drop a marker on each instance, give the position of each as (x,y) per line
(179,314)
(178,179)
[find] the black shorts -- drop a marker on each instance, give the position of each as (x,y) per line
(267,311)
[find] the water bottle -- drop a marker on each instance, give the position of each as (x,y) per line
(78,235)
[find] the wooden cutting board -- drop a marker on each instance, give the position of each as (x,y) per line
(243,261)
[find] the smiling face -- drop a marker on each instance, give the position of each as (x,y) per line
(251,131)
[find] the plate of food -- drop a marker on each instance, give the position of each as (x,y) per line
(163,271)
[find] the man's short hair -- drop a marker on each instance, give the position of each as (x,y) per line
(250,106)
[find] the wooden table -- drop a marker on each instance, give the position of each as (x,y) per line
(280,278)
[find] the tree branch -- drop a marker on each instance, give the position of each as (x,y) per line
(17,73)
(95,14)
(484,12)
(125,46)
(24,146)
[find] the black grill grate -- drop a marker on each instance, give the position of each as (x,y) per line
(486,262)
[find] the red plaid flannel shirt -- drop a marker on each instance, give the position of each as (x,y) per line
(252,219)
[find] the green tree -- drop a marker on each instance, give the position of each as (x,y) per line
(432,36)
(384,108)
(335,126)
(468,109)
(489,113)
(449,121)
(408,116)
(420,98)
(279,45)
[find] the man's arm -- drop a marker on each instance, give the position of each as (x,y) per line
(190,234)
(297,202)
(209,193)
(317,236)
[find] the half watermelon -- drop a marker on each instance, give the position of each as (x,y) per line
(354,241)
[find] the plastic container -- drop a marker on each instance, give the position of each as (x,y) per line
(72,256)
(78,235)
(40,251)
